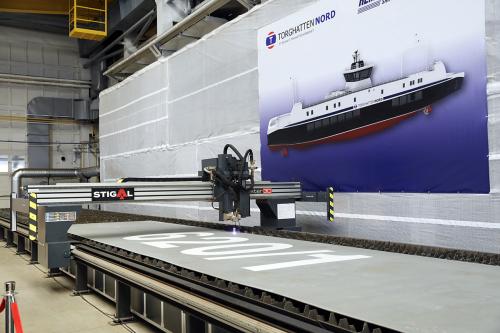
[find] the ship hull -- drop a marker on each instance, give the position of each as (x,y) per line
(357,122)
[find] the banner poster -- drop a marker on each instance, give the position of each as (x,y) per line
(376,95)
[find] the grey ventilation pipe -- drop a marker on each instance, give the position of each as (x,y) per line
(18,175)
(86,173)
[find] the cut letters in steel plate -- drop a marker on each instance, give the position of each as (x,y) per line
(112,194)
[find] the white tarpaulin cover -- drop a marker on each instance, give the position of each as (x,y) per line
(164,119)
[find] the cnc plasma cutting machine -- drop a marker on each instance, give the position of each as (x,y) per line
(227,180)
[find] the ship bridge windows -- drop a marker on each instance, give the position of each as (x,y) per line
(381,91)
(307,113)
(312,112)
(326,108)
(358,75)
(355,99)
(420,80)
(404,85)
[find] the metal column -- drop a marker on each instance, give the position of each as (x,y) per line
(10,239)
(34,253)
(123,301)
(81,279)
(10,288)
(21,245)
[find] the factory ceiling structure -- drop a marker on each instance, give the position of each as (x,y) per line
(132,30)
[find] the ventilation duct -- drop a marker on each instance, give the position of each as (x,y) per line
(51,108)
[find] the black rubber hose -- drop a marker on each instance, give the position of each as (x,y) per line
(233,148)
(248,153)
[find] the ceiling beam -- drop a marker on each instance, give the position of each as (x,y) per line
(35,6)
(246,3)
(58,7)
(200,12)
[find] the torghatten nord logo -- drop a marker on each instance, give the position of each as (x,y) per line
(300,29)
(271,40)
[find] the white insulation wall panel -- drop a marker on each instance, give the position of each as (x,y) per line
(134,113)
(228,107)
(232,53)
(206,95)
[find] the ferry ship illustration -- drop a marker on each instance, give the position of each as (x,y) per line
(361,108)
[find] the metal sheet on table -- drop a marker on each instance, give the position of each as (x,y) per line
(408,293)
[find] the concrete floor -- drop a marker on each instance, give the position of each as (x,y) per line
(46,305)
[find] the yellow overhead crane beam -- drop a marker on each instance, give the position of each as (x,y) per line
(88,19)
(57,7)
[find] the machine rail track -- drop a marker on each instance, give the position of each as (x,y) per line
(402,248)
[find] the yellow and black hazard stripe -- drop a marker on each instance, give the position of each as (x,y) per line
(33,212)
(330,208)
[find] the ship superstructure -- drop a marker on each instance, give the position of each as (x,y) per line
(362,108)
